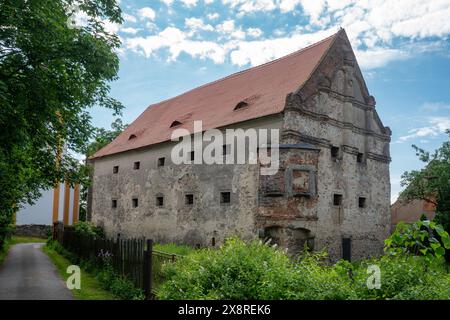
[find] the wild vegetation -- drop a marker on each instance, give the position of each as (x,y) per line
(411,268)
(101,275)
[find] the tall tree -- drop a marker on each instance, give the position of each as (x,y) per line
(432,183)
(50,74)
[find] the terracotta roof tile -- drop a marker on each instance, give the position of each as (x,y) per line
(264,88)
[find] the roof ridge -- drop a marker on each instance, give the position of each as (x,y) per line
(251,68)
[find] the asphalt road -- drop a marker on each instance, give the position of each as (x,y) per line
(28,274)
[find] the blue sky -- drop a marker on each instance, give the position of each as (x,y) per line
(402,46)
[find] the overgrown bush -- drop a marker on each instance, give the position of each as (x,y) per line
(254,270)
(87,228)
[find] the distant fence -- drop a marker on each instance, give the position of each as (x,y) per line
(133,258)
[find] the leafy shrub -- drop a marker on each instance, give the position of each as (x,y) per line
(86,228)
(423,237)
(253,270)
(234,271)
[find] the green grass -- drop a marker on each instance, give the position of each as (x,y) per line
(91,288)
(173,248)
(4,250)
(19,239)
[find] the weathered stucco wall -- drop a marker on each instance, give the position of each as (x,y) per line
(176,221)
(335,110)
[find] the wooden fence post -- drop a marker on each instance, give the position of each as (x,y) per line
(148,270)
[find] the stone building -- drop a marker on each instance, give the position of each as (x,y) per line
(411,211)
(332,190)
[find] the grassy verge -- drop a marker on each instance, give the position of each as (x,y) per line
(19,239)
(174,248)
(91,288)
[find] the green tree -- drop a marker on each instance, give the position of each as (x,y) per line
(101,138)
(432,183)
(51,72)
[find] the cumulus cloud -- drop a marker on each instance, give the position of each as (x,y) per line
(436,126)
(213,16)
(129,30)
(129,18)
(254,32)
(371,25)
(147,13)
(176,41)
(195,24)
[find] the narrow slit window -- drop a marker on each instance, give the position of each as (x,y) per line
(192,155)
(334,152)
(135,202)
(116,169)
(114,203)
(362,202)
(161,162)
(337,199)
(189,199)
(360,157)
(137,165)
(225,197)
(160,201)
(226,149)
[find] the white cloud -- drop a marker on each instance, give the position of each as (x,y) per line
(129,30)
(129,18)
(213,16)
(375,58)
(196,24)
(250,6)
(435,106)
(254,32)
(371,25)
(261,51)
(176,41)
(436,126)
(189,3)
(167,2)
(147,13)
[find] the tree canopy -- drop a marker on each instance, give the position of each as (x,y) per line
(432,183)
(51,73)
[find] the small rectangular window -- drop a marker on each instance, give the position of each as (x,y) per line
(337,199)
(161,162)
(347,249)
(137,165)
(334,152)
(225,197)
(115,169)
(192,155)
(189,199)
(114,203)
(160,201)
(226,149)
(362,202)
(135,202)
(360,157)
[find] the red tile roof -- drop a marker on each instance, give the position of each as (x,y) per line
(264,88)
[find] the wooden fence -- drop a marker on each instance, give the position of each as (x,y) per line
(134,259)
